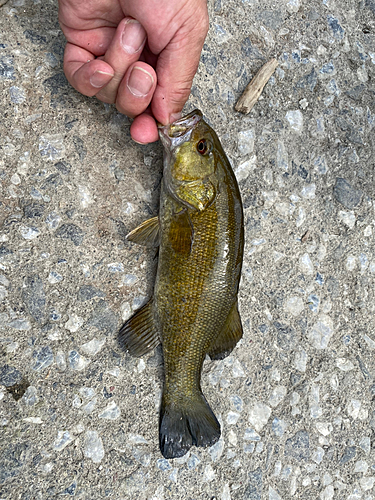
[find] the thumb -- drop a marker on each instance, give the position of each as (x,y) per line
(175,69)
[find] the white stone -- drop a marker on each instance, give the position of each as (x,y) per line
(136,439)
(281,156)
(347,218)
(54,277)
(325,428)
(295,398)
(345,365)
(272,494)
(232,417)
(60,361)
(300,361)
(125,310)
(74,323)
(33,420)
(361,466)
(141,366)
(244,169)
(29,233)
(90,406)
(285,208)
(367,231)
(225,495)
(327,479)
(62,440)
(269,198)
(93,446)
(365,444)
(277,395)
(293,6)
(351,262)
(259,415)
(232,438)
(209,474)
(111,412)
(216,450)
(51,146)
(306,265)
(308,192)
(367,483)
(327,493)
(94,346)
(246,140)
(237,370)
(76,361)
(318,454)
(321,332)
(301,217)
(84,196)
(294,305)
(295,120)
(353,408)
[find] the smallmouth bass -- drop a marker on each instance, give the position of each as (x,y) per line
(194,310)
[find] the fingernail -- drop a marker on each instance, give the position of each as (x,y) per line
(100,78)
(140,82)
(133,36)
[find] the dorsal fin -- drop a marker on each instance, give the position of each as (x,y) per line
(139,334)
(228,337)
(146,234)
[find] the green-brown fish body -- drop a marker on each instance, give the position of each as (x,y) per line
(194,308)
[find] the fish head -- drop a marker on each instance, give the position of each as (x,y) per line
(190,147)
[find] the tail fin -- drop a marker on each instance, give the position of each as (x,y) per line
(181,427)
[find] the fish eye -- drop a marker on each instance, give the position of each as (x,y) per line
(203,147)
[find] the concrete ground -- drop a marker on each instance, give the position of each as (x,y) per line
(79,418)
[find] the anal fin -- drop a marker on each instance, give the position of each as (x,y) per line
(139,334)
(231,333)
(146,234)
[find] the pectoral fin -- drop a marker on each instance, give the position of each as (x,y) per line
(139,334)
(229,336)
(181,233)
(146,234)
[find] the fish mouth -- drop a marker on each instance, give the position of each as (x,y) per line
(174,134)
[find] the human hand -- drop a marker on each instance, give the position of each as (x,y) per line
(141,55)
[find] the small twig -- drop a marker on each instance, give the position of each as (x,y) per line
(252,92)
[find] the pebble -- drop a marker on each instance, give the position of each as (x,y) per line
(93,446)
(344,364)
(51,147)
(70,232)
(308,192)
(216,450)
(336,29)
(54,277)
(53,219)
(354,408)
(361,466)
(88,292)
(225,494)
(298,446)
(74,323)
(346,195)
(43,357)
(279,426)
(103,318)
(111,412)
(94,346)
(272,494)
(294,305)
(29,232)
(306,265)
(208,474)
(237,370)
(325,428)
(20,324)
(295,120)
(60,361)
(327,493)
(321,332)
(246,140)
(317,456)
(245,168)
(30,398)
(193,461)
(9,375)
(232,438)
(365,444)
(232,418)
(349,453)
(300,361)
(254,484)
(76,361)
(90,406)
(277,395)
(116,267)
(62,440)
(236,402)
(367,483)
(259,415)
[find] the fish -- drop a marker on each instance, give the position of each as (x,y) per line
(199,233)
